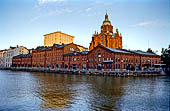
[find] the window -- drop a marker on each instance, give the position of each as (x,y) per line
(102,43)
(118,60)
(71,49)
(101,37)
(99,54)
(113,35)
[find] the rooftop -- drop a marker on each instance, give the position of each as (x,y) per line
(59,32)
(77,53)
(116,50)
(140,52)
(23,55)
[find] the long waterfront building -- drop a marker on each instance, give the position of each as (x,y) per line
(69,56)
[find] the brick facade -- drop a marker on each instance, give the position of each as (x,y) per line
(107,58)
(23,60)
(76,60)
(53,57)
(69,56)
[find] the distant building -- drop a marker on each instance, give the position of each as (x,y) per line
(57,38)
(2,61)
(13,51)
(106,37)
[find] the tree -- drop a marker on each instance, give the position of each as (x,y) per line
(165,57)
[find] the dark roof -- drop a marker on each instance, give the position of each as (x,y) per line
(12,47)
(43,48)
(77,53)
(129,51)
(116,50)
(23,55)
(59,46)
(141,52)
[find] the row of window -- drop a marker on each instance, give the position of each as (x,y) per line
(48,54)
(109,66)
(124,60)
(75,59)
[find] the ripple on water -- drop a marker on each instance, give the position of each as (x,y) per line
(22,91)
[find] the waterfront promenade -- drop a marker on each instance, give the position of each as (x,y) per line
(153,72)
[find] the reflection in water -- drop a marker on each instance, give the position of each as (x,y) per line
(53,91)
(64,91)
(23,91)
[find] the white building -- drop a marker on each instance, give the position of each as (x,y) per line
(2,61)
(13,51)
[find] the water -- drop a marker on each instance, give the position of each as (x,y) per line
(24,91)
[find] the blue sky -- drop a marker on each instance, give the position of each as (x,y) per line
(142,23)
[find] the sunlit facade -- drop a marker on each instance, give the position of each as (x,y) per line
(57,38)
(106,37)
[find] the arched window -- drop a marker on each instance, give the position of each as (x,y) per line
(101,37)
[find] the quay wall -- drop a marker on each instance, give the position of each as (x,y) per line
(123,73)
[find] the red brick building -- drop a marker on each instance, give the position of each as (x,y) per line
(69,56)
(23,60)
(53,56)
(76,60)
(108,58)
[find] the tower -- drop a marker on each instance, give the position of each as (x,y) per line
(106,37)
(106,26)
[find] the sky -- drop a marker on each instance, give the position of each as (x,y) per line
(143,23)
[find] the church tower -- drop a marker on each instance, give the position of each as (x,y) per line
(107,27)
(106,37)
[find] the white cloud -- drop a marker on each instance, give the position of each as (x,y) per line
(51,13)
(88,9)
(92,14)
(58,11)
(35,18)
(147,23)
(41,2)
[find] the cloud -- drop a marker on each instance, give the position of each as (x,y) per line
(88,9)
(160,23)
(92,14)
(51,13)
(35,18)
(146,23)
(41,2)
(45,8)
(58,11)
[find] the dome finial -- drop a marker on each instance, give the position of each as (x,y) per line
(106,20)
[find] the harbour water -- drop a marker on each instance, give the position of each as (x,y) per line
(29,91)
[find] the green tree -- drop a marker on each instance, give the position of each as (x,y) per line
(165,57)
